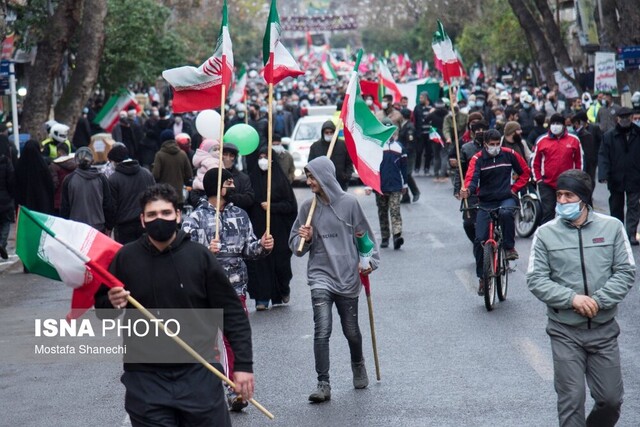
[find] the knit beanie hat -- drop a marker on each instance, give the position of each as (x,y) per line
(166,135)
(210,181)
(578,182)
(118,153)
(511,127)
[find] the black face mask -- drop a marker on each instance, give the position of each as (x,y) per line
(479,136)
(160,229)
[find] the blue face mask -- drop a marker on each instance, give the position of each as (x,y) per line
(568,211)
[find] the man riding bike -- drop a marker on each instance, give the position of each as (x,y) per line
(489,177)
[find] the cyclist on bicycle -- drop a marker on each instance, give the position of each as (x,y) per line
(489,177)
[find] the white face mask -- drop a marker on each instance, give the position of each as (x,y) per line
(500,118)
(385,105)
(327,138)
(279,107)
(369,102)
(493,151)
(556,129)
(263,164)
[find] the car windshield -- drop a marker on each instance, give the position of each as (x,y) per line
(308,131)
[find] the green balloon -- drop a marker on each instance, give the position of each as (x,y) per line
(244,137)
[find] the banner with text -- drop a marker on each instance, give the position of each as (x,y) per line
(605,73)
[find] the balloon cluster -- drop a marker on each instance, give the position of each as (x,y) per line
(241,135)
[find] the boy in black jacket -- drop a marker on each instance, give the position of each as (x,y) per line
(165,269)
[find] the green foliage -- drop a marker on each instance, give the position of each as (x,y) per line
(32,18)
(497,38)
(138,46)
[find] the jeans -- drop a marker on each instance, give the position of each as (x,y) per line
(482,230)
(322,301)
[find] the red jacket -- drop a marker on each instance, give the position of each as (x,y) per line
(554,155)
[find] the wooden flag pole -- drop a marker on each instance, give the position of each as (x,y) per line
(220,165)
(315,199)
(455,134)
(374,342)
(269,158)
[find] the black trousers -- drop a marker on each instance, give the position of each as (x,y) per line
(616,207)
(423,148)
(548,201)
(189,395)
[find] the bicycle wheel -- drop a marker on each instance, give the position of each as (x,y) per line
(490,276)
(528,216)
(503,278)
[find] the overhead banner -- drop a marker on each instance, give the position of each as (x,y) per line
(605,73)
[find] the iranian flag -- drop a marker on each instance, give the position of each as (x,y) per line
(387,82)
(68,251)
(327,70)
(364,135)
(197,89)
(278,62)
(109,115)
(239,93)
(445,57)
(435,137)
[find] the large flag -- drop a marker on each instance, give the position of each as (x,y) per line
(239,93)
(445,57)
(388,84)
(197,89)
(327,70)
(66,251)
(278,62)
(364,135)
(109,115)
(369,87)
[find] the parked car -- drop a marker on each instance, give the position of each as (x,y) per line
(305,133)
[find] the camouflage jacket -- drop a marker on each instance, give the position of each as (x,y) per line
(237,240)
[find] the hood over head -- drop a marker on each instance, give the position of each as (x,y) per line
(324,172)
(328,125)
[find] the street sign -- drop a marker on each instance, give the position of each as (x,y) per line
(629,52)
(4,74)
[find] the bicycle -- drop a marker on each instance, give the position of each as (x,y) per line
(495,264)
(529,214)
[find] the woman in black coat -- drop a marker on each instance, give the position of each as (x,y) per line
(34,184)
(269,277)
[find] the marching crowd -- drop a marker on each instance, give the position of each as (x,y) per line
(506,136)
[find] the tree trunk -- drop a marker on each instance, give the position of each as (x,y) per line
(37,103)
(554,37)
(85,74)
(537,39)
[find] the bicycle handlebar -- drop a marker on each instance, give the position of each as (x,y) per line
(478,207)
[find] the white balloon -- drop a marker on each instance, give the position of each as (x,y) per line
(208,124)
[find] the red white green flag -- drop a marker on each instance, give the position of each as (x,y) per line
(109,115)
(278,62)
(68,251)
(388,84)
(239,93)
(197,89)
(327,70)
(364,135)
(445,57)
(435,137)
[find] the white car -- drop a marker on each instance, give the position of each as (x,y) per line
(305,133)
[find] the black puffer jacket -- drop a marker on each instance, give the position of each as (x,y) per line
(339,157)
(127,183)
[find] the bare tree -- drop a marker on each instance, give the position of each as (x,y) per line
(87,65)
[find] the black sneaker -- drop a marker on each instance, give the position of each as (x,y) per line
(398,241)
(481,288)
(384,243)
(3,253)
(416,197)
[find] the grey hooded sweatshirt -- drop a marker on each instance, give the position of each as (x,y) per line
(333,254)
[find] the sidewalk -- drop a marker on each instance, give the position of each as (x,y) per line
(13,261)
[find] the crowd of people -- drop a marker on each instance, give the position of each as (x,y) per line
(500,137)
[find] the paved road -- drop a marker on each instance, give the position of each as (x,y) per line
(445,360)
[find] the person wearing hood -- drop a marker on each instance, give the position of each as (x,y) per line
(555,152)
(206,157)
(241,194)
(236,243)
(340,156)
(269,277)
(341,244)
(127,183)
(34,185)
(581,267)
(164,269)
(618,167)
(86,196)
(61,166)
(171,164)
